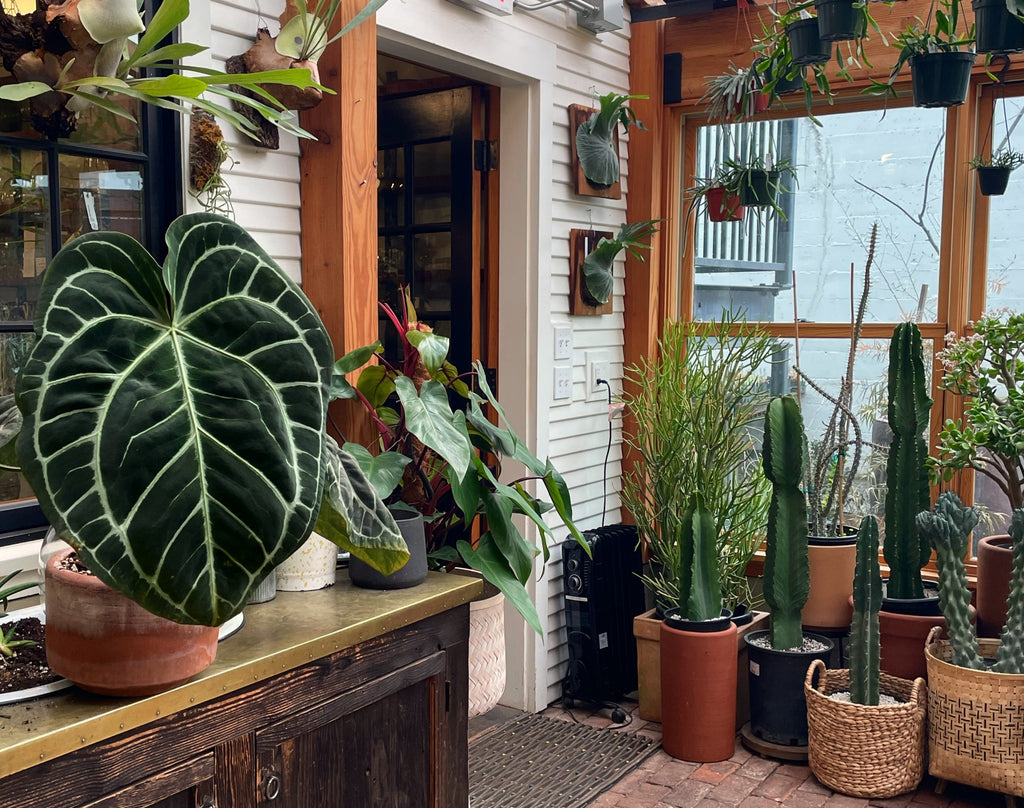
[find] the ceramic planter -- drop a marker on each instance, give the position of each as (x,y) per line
(805,45)
(941,79)
(698,693)
(724,207)
(992,180)
(486,650)
(995,564)
(996,29)
(832,561)
(108,644)
(313,566)
(410,525)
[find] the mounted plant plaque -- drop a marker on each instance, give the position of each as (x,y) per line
(581,244)
(581,185)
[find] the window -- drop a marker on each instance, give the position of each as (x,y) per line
(110,174)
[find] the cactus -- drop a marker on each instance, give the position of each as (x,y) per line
(700,592)
(946,528)
(1010,657)
(905,550)
(865,648)
(786,571)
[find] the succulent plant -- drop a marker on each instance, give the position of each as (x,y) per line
(865,648)
(700,592)
(1010,656)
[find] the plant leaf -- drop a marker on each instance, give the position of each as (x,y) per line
(384,471)
(23,89)
(10,426)
(598,157)
(174,420)
(429,417)
(489,561)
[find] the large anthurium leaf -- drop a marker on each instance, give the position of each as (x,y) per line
(10,426)
(429,417)
(354,518)
(174,420)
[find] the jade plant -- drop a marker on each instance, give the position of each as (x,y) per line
(595,138)
(172,420)
(786,572)
(907,492)
(865,645)
(597,264)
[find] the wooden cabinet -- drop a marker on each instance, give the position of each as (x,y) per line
(379,724)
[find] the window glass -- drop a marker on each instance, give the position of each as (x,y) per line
(1005,269)
(845,182)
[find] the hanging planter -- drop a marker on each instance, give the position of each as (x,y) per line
(839,20)
(760,188)
(724,206)
(941,79)
(805,44)
(996,29)
(994,173)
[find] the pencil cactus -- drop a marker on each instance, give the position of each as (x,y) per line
(946,528)
(700,591)
(865,648)
(786,572)
(1010,657)
(906,551)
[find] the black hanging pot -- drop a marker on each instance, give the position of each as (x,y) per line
(785,85)
(941,79)
(992,180)
(805,45)
(760,188)
(838,20)
(996,29)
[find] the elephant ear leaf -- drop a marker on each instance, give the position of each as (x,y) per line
(174,420)
(598,156)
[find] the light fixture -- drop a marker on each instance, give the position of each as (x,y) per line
(598,16)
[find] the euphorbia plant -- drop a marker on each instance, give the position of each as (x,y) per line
(447,462)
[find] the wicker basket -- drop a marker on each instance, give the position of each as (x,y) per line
(976,726)
(486,650)
(863,751)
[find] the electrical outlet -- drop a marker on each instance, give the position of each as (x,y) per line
(599,366)
(563,382)
(563,342)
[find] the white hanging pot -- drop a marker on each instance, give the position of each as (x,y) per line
(312,566)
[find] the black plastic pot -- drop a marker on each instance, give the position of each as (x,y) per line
(805,45)
(996,29)
(673,620)
(785,86)
(941,79)
(992,180)
(760,189)
(928,606)
(778,710)
(838,20)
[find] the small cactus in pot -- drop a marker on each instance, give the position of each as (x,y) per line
(700,591)
(865,647)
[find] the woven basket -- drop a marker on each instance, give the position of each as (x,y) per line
(486,651)
(864,751)
(976,726)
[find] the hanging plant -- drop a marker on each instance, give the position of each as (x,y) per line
(207,153)
(994,172)
(597,266)
(595,138)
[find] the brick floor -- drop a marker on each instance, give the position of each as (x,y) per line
(743,781)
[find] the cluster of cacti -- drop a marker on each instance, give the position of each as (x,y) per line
(906,551)
(700,592)
(786,571)
(947,528)
(1010,656)
(865,648)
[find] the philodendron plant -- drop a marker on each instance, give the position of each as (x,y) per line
(597,264)
(171,420)
(595,138)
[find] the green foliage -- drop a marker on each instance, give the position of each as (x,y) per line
(786,570)
(696,406)
(1004,158)
(595,143)
(9,645)
(742,173)
(865,648)
(447,463)
(174,426)
(907,492)
(732,95)
(947,528)
(1010,656)
(986,369)
(597,265)
(306,35)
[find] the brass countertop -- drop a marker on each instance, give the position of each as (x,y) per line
(291,630)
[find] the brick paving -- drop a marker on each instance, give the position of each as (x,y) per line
(744,781)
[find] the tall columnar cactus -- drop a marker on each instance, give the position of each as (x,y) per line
(865,648)
(786,572)
(1010,657)
(700,591)
(906,551)
(947,528)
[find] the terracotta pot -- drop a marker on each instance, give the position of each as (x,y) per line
(995,564)
(832,563)
(722,208)
(698,697)
(902,637)
(108,644)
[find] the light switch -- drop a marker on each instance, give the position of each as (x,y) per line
(563,342)
(563,382)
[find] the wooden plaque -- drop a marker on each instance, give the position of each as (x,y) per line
(581,243)
(582,187)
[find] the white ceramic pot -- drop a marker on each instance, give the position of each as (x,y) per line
(312,566)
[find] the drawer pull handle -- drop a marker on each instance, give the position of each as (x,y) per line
(271,786)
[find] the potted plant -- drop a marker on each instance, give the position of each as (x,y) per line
(735,95)
(805,44)
(760,180)
(595,138)
(871,744)
(983,370)
(975,686)
(779,657)
(174,433)
(719,195)
(695,407)
(994,172)
(597,278)
(998,26)
(940,55)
